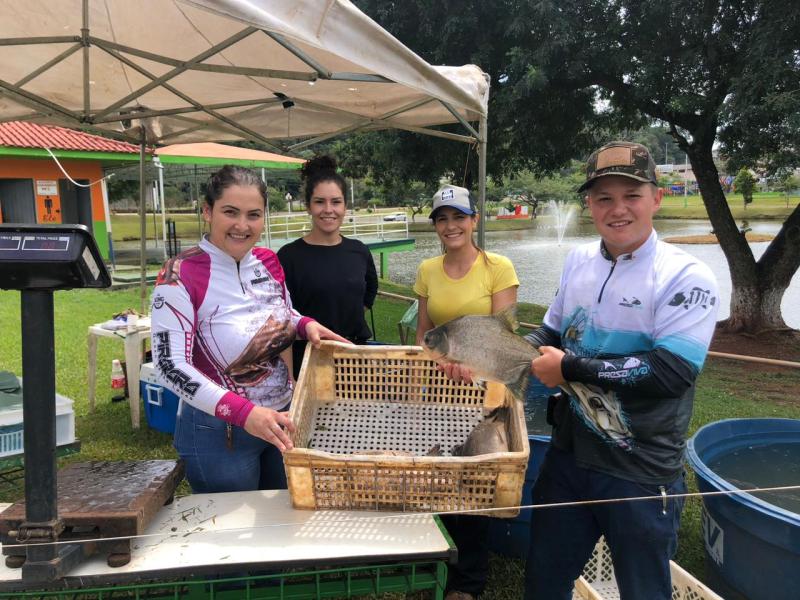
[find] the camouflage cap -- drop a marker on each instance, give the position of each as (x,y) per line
(620,158)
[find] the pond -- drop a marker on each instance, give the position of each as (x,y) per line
(538,257)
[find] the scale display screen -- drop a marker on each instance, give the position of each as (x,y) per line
(49,243)
(50,257)
(10,242)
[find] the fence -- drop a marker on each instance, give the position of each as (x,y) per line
(371,226)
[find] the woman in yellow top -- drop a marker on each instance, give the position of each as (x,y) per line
(464,280)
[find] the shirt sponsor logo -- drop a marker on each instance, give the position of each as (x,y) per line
(696,296)
(178,378)
(633,368)
(634,302)
(158,301)
(259,280)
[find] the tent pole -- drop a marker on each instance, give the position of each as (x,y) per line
(142,227)
(482,129)
(264,178)
(198,205)
(106,208)
(163,202)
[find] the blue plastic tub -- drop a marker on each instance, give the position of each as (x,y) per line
(509,537)
(752,547)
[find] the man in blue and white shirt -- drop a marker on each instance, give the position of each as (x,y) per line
(634,316)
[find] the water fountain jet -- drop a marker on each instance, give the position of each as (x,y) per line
(563,213)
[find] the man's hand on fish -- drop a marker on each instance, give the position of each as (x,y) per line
(547,367)
(455,371)
(316,332)
(271,426)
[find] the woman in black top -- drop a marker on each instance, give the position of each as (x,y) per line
(330,277)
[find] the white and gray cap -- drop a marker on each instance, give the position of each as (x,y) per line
(454,197)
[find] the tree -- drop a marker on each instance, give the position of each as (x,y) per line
(277,199)
(568,74)
(418,197)
(744,184)
(788,184)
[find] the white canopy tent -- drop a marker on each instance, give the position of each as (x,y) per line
(286,73)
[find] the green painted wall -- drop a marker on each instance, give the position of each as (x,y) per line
(101,237)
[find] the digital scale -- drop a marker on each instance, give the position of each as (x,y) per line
(88,500)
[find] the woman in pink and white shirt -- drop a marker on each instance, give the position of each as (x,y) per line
(222,329)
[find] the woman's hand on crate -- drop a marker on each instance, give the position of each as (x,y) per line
(271,426)
(315,332)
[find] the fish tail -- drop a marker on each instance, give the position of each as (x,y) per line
(519,388)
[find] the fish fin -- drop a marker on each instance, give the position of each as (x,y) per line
(496,414)
(508,317)
(519,388)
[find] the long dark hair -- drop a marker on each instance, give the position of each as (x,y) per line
(230,175)
(319,170)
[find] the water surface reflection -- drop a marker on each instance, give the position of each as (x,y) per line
(538,258)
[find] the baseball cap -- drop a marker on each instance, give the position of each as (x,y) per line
(620,158)
(454,197)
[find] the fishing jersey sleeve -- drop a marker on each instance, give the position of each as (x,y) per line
(544,336)
(684,316)
(173,331)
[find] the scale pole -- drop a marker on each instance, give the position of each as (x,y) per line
(39,414)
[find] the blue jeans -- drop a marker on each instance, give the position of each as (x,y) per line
(642,535)
(211,466)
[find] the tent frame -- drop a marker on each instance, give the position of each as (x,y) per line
(123,111)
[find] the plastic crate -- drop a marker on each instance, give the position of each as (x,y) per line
(598,582)
(354,405)
(160,403)
(12,427)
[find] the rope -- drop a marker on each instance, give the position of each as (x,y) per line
(371,519)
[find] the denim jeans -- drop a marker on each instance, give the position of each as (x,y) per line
(249,463)
(641,534)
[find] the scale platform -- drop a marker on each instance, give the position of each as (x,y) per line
(101,500)
(206,535)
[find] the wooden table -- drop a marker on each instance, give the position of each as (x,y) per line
(133,358)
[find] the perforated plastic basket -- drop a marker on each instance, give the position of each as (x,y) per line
(598,582)
(367,417)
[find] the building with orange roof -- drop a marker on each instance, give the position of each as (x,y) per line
(43,169)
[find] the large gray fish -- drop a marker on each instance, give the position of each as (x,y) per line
(488,437)
(488,346)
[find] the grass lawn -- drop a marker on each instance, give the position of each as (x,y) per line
(769,205)
(725,389)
